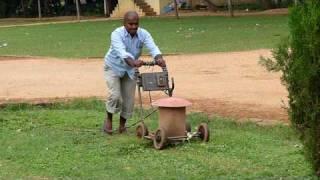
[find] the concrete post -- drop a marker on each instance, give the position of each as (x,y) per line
(78,10)
(39,10)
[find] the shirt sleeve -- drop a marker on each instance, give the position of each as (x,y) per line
(151,46)
(118,45)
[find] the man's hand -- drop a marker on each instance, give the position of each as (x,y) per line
(133,63)
(160,61)
(138,63)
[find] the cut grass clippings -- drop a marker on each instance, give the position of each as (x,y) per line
(63,140)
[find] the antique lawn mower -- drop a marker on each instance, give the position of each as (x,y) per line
(173,126)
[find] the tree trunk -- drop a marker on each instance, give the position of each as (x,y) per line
(39,9)
(230,8)
(23,8)
(176,8)
(105,7)
(78,10)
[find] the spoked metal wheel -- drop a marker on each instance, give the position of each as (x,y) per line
(160,139)
(203,131)
(141,130)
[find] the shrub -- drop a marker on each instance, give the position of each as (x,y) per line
(298,58)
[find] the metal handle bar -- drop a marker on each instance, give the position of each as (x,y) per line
(152,63)
(149,63)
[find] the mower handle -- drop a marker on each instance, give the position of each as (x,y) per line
(153,63)
(169,91)
(148,63)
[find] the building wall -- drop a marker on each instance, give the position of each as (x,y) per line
(124,6)
(223,2)
(158,5)
(155,4)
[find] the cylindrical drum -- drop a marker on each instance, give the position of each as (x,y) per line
(173,120)
(172,115)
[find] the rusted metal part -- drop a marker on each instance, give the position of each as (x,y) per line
(173,126)
(155,81)
(173,120)
(172,102)
(172,115)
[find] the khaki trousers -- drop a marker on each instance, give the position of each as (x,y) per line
(121,92)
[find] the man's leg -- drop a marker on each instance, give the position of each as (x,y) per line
(107,127)
(128,87)
(122,125)
(113,102)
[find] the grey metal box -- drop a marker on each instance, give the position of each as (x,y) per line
(155,81)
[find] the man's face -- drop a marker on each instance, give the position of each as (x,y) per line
(131,24)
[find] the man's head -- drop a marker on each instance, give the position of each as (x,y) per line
(131,22)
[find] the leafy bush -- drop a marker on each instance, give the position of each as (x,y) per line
(298,58)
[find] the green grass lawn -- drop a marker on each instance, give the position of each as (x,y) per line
(23,21)
(64,140)
(187,35)
(27,21)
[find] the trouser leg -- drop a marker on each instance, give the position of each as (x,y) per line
(128,87)
(113,102)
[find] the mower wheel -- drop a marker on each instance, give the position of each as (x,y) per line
(188,127)
(160,139)
(141,130)
(203,131)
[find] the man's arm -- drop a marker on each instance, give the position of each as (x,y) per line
(120,48)
(133,63)
(160,61)
(154,50)
(118,45)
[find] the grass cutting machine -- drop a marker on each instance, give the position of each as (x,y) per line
(172,124)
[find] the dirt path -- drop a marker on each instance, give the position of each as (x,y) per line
(227,84)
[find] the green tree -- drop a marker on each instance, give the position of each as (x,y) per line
(298,58)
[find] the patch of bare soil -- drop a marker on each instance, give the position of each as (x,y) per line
(226,84)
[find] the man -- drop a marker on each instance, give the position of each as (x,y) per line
(120,63)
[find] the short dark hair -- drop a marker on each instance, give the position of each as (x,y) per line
(129,14)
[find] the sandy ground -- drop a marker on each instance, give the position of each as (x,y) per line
(226,84)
